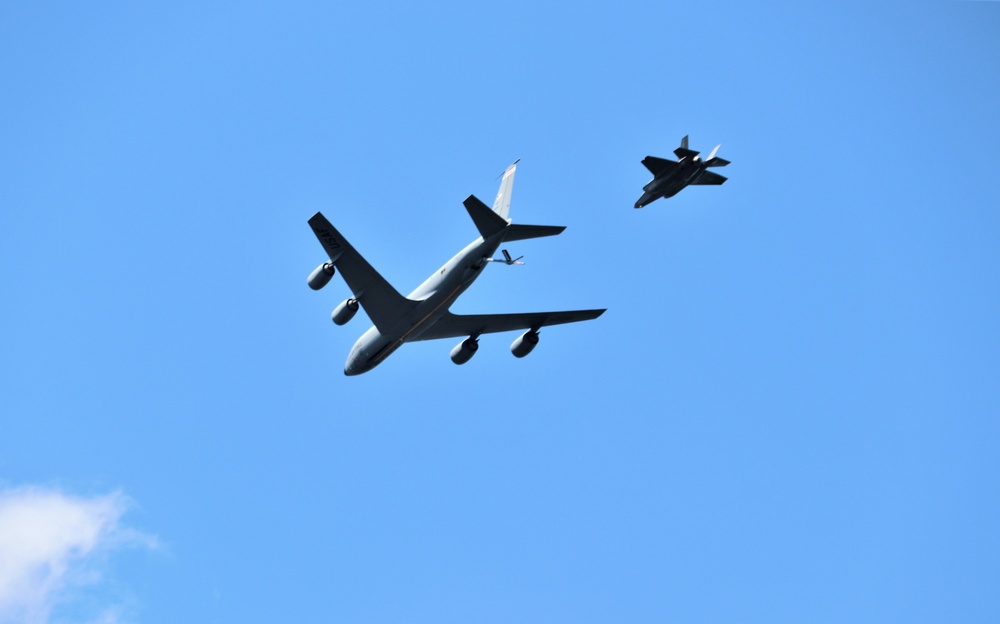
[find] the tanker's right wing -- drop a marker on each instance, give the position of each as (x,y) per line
(457,325)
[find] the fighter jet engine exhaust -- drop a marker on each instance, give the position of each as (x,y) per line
(345,311)
(320,277)
(464,351)
(524,343)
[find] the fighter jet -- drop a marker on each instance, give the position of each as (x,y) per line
(669,176)
(423,314)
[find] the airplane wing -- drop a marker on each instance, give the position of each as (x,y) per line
(383,303)
(710,177)
(457,325)
(658,166)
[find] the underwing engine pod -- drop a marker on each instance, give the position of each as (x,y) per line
(321,275)
(464,350)
(345,311)
(524,343)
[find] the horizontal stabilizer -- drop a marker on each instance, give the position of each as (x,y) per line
(710,177)
(683,152)
(487,222)
(716,162)
(658,166)
(520,232)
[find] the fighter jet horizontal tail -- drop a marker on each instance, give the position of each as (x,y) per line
(710,177)
(659,166)
(683,152)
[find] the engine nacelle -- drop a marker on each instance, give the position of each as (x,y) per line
(345,311)
(320,277)
(524,343)
(464,351)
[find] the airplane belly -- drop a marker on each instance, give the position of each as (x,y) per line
(430,310)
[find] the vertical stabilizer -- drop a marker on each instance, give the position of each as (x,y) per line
(502,204)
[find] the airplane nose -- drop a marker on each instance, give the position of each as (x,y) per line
(350,369)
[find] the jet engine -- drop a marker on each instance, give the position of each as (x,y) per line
(320,277)
(464,351)
(345,311)
(524,343)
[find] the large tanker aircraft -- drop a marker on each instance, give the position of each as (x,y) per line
(424,314)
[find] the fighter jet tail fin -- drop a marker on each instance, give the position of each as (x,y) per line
(712,161)
(683,151)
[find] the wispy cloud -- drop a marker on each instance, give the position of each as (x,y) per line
(48,542)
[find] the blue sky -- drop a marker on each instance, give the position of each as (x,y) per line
(788,413)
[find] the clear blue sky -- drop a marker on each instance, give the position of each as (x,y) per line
(789,413)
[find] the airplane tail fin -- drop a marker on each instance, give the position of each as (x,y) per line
(712,161)
(501,205)
(489,223)
(683,150)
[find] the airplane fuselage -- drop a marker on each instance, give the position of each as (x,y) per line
(672,183)
(435,295)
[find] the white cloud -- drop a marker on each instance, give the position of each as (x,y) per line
(48,540)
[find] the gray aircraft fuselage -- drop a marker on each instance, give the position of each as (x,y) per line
(436,295)
(688,171)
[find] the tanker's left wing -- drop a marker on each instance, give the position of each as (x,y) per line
(457,325)
(383,303)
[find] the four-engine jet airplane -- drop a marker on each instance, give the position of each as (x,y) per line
(669,176)
(423,314)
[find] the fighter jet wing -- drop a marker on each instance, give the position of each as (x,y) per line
(710,177)
(383,303)
(456,325)
(658,166)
